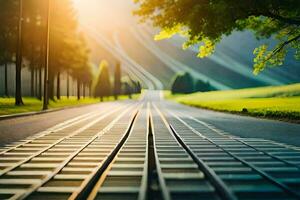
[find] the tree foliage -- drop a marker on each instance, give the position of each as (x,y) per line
(131,86)
(183,83)
(8,36)
(204,22)
(117,80)
(68,50)
(136,87)
(128,90)
(8,30)
(202,86)
(103,86)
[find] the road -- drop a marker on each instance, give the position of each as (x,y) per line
(148,149)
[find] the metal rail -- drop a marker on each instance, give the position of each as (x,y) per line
(58,146)
(3,172)
(145,177)
(55,128)
(73,155)
(87,186)
(164,189)
(220,186)
(271,179)
(126,175)
(137,152)
(245,143)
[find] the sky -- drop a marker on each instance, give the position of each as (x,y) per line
(105,14)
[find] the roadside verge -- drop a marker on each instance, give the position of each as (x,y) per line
(279,103)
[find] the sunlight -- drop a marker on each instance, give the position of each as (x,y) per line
(94,106)
(104,14)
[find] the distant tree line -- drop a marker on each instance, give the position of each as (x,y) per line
(103,85)
(185,84)
(68,50)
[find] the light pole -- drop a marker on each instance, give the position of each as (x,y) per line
(47,50)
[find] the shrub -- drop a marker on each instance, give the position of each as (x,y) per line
(183,83)
(202,86)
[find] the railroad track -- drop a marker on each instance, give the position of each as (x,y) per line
(251,168)
(39,166)
(145,151)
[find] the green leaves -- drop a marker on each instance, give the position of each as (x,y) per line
(207,49)
(204,23)
(103,86)
(265,57)
(167,33)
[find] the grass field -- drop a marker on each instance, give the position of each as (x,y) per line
(282,102)
(8,107)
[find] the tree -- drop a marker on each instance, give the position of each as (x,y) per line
(139,87)
(86,78)
(8,36)
(183,83)
(128,89)
(80,68)
(202,86)
(117,81)
(68,50)
(68,84)
(63,33)
(19,58)
(33,34)
(11,42)
(205,22)
(78,89)
(33,39)
(135,86)
(103,86)
(65,38)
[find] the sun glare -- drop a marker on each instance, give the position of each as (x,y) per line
(104,14)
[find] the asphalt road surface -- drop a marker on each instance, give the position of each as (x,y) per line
(148,149)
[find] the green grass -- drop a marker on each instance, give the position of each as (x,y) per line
(8,107)
(282,102)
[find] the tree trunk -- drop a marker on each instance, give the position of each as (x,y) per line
(40,67)
(68,85)
(78,90)
(58,86)
(5,81)
(31,81)
(40,83)
(18,93)
(90,90)
(18,96)
(35,82)
(51,87)
(83,92)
